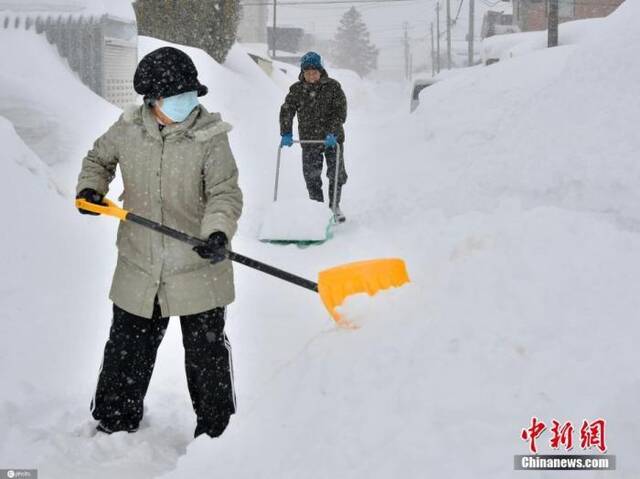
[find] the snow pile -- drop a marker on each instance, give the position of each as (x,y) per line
(502,47)
(50,108)
(48,342)
(360,94)
(547,127)
(296,219)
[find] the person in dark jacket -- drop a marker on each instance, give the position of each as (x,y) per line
(321,106)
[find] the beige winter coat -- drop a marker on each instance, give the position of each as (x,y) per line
(184,177)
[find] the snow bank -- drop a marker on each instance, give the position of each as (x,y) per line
(360,94)
(48,338)
(546,127)
(50,108)
(502,47)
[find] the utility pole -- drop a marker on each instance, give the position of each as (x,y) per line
(449,34)
(274,36)
(410,65)
(433,53)
(471,34)
(438,36)
(554,14)
(405,26)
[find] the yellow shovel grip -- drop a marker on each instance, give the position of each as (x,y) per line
(108,208)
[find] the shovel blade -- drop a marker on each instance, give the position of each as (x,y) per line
(336,284)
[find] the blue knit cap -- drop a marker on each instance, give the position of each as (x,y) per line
(311,60)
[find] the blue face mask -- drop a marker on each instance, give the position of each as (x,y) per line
(178,107)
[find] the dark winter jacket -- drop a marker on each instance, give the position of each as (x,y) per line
(321,108)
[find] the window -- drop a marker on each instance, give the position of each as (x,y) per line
(567,8)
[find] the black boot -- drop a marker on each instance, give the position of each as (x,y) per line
(107,427)
(212,430)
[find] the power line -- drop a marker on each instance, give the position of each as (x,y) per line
(449,34)
(459,10)
(326,9)
(590,4)
(470,36)
(438,35)
(613,3)
(323,2)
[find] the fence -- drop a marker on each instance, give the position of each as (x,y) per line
(102,50)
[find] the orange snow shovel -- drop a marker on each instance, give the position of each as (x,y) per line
(334,284)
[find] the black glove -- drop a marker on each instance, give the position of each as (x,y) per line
(92,196)
(216,248)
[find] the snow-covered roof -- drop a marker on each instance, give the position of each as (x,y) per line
(503,7)
(121,9)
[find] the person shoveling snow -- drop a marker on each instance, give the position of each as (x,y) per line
(176,165)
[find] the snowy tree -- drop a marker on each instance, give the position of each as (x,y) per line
(207,24)
(352,48)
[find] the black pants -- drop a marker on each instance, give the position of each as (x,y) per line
(129,357)
(312,161)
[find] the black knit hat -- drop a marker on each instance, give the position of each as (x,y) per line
(166,72)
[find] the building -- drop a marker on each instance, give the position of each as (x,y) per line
(497,23)
(531,15)
(100,46)
(253,23)
(287,39)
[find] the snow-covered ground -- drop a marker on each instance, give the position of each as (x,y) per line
(512,195)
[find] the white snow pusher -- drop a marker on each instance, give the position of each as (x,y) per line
(298,221)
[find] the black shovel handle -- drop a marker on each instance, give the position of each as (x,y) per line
(238,258)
